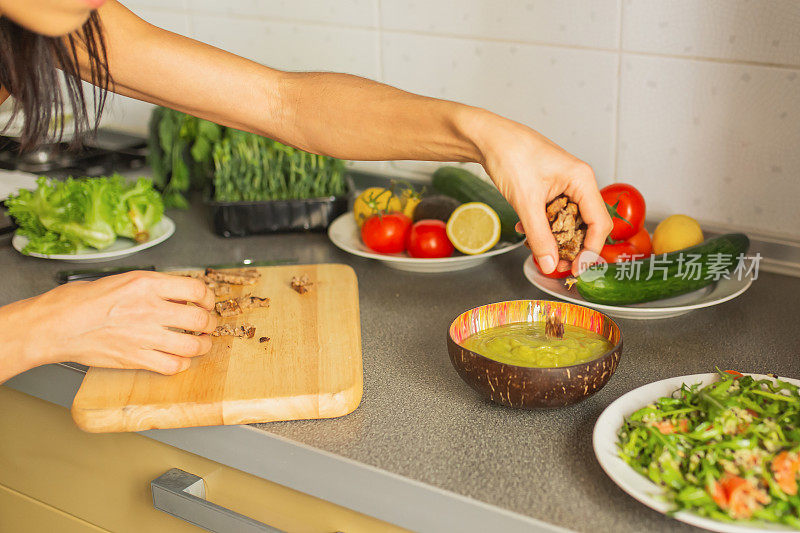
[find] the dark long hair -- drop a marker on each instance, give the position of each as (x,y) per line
(43,75)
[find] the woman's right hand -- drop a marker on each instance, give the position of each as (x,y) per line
(530,171)
(118,321)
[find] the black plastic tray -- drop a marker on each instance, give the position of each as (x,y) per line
(239,219)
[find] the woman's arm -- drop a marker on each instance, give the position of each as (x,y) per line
(352,118)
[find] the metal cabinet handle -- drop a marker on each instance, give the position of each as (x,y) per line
(182,495)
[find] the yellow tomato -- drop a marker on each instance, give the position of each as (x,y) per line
(410,200)
(676,232)
(373,201)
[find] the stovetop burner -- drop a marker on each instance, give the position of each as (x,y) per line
(109,151)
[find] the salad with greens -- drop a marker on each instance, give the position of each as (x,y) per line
(66,217)
(728,450)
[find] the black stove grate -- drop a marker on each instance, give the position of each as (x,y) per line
(109,151)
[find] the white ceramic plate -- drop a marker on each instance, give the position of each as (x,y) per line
(121,248)
(637,485)
(344,233)
(714,294)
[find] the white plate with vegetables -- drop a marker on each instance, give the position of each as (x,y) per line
(345,234)
(654,287)
(89,219)
(121,247)
(718,292)
(462,223)
(729,487)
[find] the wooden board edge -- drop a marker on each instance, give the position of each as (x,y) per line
(107,420)
(340,404)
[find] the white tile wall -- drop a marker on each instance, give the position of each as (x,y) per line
(133,5)
(571,22)
(713,140)
(293,46)
(174,21)
(749,30)
(361,13)
(569,95)
(696,102)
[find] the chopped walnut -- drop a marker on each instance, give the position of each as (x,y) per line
(567,226)
(235,277)
(236,306)
(242,331)
(553,326)
(301,284)
(219,289)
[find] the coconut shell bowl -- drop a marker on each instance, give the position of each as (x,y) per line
(528,387)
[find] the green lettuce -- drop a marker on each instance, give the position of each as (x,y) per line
(62,217)
(139,209)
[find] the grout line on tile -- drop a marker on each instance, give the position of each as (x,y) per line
(788,66)
(706,59)
(501,41)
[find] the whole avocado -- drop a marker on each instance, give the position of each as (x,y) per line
(437,207)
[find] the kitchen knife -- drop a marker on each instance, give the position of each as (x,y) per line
(65,276)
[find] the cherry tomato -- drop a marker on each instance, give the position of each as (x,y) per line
(627,208)
(386,234)
(641,241)
(428,238)
(555,274)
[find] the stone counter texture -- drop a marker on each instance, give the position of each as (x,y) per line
(419,420)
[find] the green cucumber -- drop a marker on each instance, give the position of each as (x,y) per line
(465,187)
(618,284)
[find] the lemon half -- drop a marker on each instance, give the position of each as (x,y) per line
(473,228)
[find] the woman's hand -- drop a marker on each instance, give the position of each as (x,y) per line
(119,321)
(530,171)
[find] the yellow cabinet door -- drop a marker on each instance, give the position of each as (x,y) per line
(104,479)
(21,514)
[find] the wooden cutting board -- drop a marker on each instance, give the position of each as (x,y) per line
(310,367)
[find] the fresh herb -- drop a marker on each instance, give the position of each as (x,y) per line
(180,153)
(729,450)
(248,167)
(187,152)
(64,217)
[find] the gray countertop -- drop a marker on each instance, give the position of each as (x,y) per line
(446,457)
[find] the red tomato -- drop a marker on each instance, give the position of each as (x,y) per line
(626,206)
(555,274)
(637,247)
(641,241)
(428,239)
(386,234)
(621,251)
